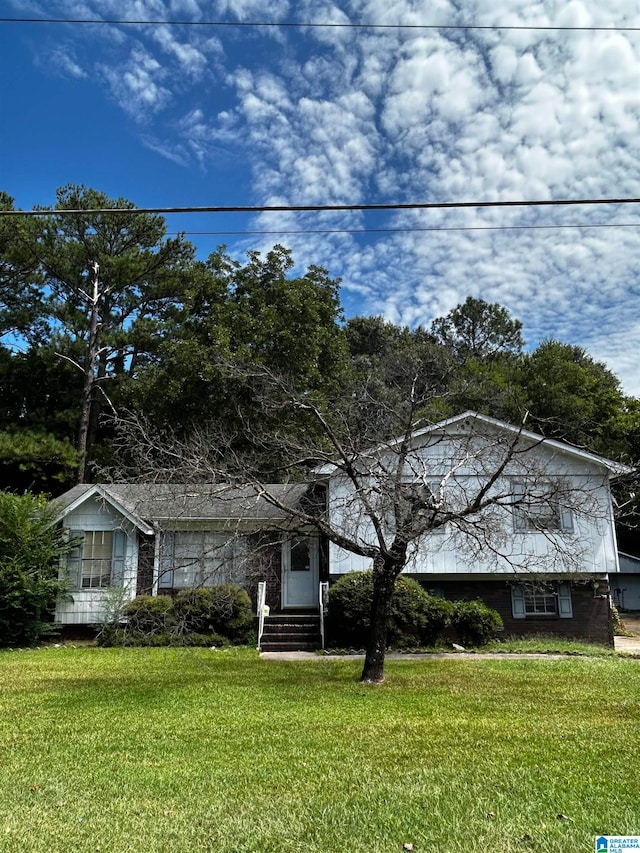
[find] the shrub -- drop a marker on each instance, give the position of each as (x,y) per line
(224,609)
(417,618)
(149,614)
(437,619)
(31,548)
(616,623)
(473,623)
(349,615)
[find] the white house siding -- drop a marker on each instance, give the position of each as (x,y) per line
(88,606)
(590,547)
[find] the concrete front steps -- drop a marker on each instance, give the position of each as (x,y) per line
(291,632)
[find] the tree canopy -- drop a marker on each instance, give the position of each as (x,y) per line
(104,313)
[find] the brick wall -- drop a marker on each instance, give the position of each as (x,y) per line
(591,619)
(144,583)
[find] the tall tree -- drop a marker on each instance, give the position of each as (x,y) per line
(106,275)
(478,329)
(573,397)
(21,297)
(257,314)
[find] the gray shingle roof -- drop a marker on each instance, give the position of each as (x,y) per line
(162,502)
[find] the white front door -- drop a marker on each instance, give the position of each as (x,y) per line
(300,572)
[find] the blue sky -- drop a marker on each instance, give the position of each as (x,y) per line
(181,116)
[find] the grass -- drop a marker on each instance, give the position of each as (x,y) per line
(194,750)
(515,645)
(547,645)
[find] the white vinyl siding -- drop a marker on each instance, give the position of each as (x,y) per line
(86,524)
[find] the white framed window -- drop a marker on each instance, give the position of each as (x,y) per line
(530,600)
(540,508)
(97,561)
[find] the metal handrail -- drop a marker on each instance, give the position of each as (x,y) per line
(262,598)
(323,598)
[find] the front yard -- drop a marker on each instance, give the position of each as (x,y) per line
(196,750)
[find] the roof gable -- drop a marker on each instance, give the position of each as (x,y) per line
(421,437)
(78,495)
(615,468)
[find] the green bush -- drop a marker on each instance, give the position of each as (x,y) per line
(224,610)
(149,614)
(473,623)
(349,615)
(209,616)
(417,618)
(31,547)
(437,619)
(616,623)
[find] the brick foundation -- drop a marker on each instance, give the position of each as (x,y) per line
(591,621)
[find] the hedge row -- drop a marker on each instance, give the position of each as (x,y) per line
(208,616)
(417,618)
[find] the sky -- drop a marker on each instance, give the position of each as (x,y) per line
(466,107)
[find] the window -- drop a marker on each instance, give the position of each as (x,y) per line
(97,561)
(190,558)
(300,556)
(541,599)
(540,509)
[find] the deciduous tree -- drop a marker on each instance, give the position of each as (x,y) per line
(392,495)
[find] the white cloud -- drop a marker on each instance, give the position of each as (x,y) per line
(138,86)
(64,64)
(191,60)
(351,115)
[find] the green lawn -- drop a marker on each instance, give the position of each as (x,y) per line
(198,750)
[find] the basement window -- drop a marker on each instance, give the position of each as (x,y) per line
(531,600)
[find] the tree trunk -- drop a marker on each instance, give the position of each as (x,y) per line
(385,572)
(93,344)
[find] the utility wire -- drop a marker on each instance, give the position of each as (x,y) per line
(288,208)
(409,229)
(313,25)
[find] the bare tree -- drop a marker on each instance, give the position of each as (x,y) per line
(389,487)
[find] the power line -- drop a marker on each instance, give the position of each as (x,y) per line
(320,208)
(408,229)
(313,25)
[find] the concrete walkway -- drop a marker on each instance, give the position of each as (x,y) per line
(627,645)
(630,644)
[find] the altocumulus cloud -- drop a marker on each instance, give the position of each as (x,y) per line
(399,115)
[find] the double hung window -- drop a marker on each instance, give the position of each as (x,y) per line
(540,508)
(97,560)
(529,600)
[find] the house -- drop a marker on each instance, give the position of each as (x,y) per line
(538,544)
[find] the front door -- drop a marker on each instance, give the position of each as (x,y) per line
(300,575)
